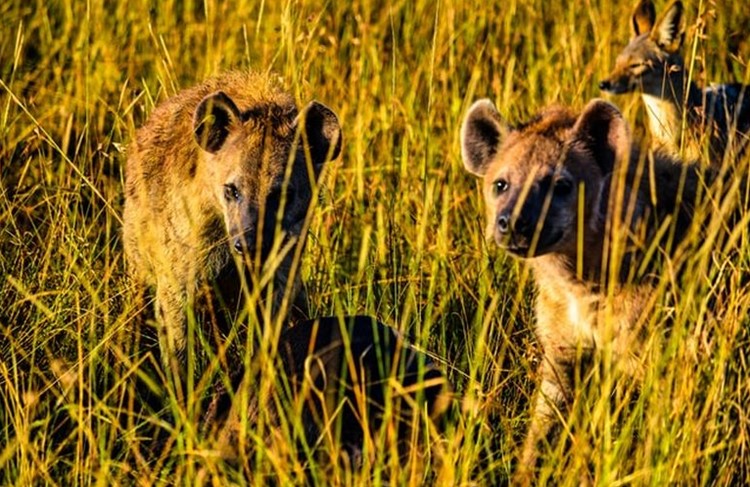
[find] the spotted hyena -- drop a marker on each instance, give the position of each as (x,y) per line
(219,181)
(586,210)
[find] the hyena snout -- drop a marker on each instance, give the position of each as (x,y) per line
(244,243)
(242,231)
(243,239)
(518,226)
(516,230)
(250,241)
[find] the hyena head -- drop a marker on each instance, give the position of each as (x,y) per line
(541,177)
(262,165)
(651,62)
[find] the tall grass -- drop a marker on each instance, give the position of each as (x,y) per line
(398,234)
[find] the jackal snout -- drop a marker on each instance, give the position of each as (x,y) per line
(618,84)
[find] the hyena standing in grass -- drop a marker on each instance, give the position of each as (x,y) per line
(651,65)
(574,198)
(218,185)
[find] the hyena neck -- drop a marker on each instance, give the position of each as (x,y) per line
(670,108)
(564,302)
(559,271)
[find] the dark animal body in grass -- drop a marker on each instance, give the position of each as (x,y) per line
(594,217)
(338,380)
(219,181)
(651,64)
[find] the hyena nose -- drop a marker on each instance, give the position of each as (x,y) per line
(243,245)
(503,224)
(605,85)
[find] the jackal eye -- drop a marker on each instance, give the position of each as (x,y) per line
(499,187)
(637,69)
(231,193)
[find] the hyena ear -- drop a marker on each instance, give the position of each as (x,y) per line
(482,132)
(321,133)
(603,133)
(643,19)
(213,118)
(669,31)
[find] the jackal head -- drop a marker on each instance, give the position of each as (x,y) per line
(262,165)
(541,177)
(651,62)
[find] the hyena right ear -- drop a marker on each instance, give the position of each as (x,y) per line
(322,133)
(643,19)
(669,31)
(602,133)
(213,118)
(482,132)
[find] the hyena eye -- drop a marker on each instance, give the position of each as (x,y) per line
(563,187)
(500,186)
(231,193)
(275,195)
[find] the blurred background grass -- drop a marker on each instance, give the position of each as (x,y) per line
(397,235)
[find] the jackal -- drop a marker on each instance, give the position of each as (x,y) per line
(651,65)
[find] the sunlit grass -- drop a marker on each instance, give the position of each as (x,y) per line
(398,234)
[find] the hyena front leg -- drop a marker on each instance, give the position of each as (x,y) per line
(170,312)
(549,400)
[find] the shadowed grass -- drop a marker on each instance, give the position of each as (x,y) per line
(398,234)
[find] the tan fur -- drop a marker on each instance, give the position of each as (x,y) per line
(593,279)
(651,64)
(185,233)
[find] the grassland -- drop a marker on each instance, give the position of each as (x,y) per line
(398,234)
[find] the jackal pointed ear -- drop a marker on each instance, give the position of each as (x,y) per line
(321,133)
(212,120)
(669,31)
(643,19)
(482,132)
(603,133)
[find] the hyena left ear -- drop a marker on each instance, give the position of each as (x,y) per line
(321,133)
(603,133)
(669,31)
(482,132)
(213,118)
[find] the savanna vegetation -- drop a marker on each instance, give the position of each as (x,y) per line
(398,233)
